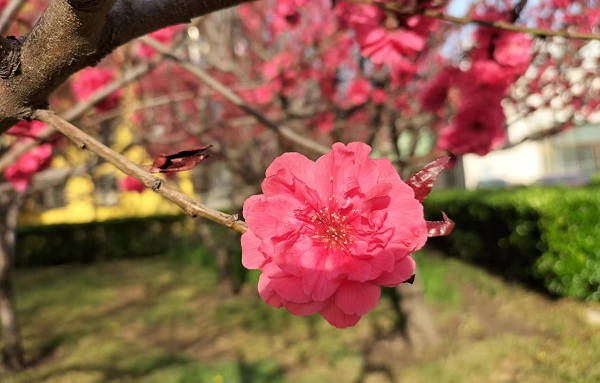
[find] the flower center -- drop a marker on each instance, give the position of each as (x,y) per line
(329,226)
(332,229)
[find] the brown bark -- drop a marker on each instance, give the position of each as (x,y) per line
(12,351)
(419,325)
(222,254)
(73,34)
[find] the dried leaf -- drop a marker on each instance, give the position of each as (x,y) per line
(440,229)
(422,182)
(178,161)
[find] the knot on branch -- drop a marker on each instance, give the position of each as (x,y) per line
(10,57)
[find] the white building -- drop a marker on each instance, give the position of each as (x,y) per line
(575,152)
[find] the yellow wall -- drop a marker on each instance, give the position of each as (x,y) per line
(79,191)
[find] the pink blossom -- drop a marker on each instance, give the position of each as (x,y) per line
(486,73)
(92,79)
(263,94)
(327,234)
(359,91)
(249,17)
(35,160)
(435,94)
(379,96)
(131,184)
(562,3)
(164,36)
(476,129)
(513,49)
(27,129)
(326,123)
(286,15)
(388,39)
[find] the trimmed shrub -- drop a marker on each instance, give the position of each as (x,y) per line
(547,237)
(97,241)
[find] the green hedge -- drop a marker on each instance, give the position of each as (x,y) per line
(545,236)
(95,241)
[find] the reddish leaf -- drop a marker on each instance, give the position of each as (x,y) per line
(440,229)
(423,180)
(178,161)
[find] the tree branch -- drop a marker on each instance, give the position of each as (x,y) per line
(226,92)
(131,19)
(128,167)
(73,34)
(465,20)
(78,110)
(63,41)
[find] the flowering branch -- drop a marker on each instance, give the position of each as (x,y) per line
(466,20)
(77,111)
(237,100)
(187,204)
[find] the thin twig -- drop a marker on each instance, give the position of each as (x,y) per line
(537,136)
(187,204)
(77,111)
(490,24)
(237,100)
(143,104)
(8,14)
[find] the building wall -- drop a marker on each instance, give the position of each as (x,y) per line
(573,152)
(523,164)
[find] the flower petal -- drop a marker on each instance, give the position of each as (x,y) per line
(337,317)
(252,258)
(357,298)
(304,309)
(267,293)
(295,163)
(264,215)
(290,289)
(315,281)
(403,270)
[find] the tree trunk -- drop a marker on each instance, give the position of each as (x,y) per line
(224,270)
(12,351)
(418,323)
(223,258)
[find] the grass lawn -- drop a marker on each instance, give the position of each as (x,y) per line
(157,321)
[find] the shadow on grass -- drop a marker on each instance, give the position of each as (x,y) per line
(180,370)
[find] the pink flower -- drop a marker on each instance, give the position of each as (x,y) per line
(92,79)
(476,129)
(263,94)
(286,15)
(327,234)
(514,50)
(359,91)
(379,96)
(131,184)
(562,3)
(27,129)
(164,36)
(486,73)
(388,39)
(434,97)
(21,172)
(326,123)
